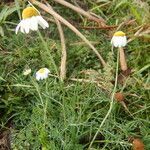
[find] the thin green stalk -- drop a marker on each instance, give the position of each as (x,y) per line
(111,104)
(45,112)
(61,84)
(38,91)
(50,56)
(44,105)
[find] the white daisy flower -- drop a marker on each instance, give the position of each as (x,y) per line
(26,72)
(30,20)
(119,39)
(42,74)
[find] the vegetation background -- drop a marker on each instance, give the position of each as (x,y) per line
(55,115)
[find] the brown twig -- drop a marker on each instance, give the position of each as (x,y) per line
(126,22)
(83,43)
(125,107)
(82,12)
(61,19)
(123,62)
(63,46)
(143,30)
(136,34)
(99,27)
(90,81)
(64,52)
(83,80)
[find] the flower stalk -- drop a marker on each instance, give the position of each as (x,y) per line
(119,40)
(64,52)
(123,63)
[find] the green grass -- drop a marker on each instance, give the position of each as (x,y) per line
(51,115)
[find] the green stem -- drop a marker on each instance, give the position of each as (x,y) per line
(50,56)
(111,104)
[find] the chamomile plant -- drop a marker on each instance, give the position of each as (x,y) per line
(119,40)
(42,74)
(31,18)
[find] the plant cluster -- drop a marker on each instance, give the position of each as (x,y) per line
(60,92)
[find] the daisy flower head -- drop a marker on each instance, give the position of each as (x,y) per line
(119,39)
(31,18)
(42,74)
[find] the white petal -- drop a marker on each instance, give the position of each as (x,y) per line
(119,41)
(43,23)
(124,41)
(38,77)
(46,76)
(27,25)
(47,71)
(41,78)
(22,29)
(20,26)
(17,28)
(23,26)
(42,75)
(33,24)
(114,42)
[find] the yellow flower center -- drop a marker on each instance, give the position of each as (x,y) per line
(119,33)
(29,12)
(42,70)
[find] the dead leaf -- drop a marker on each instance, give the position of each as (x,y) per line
(5,140)
(138,144)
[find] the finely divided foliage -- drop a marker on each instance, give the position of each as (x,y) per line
(102,100)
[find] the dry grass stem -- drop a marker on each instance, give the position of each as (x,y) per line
(83,80)
(83,43)
(97,27)
(98,19)
(125,107)
(91,81)
(64,52)
(123,62)
(140,32)
(127,22)
(136,34)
